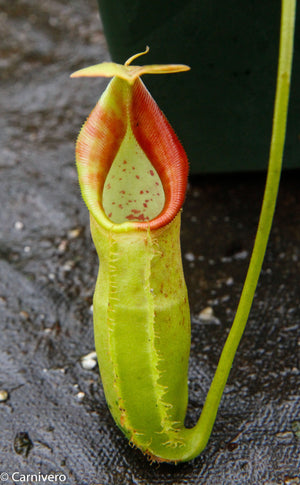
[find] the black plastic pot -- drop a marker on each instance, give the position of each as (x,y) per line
(222,109)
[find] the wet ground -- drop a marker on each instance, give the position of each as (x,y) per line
(54,417)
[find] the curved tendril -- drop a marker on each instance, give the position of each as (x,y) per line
(204,426)
(135,56)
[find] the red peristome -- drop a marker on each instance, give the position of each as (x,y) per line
(97,145)
(102,135)
(160,144)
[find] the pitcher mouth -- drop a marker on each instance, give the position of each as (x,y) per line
(132,189)
(132,168)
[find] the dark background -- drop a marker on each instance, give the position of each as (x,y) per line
(48,268)
(222,108)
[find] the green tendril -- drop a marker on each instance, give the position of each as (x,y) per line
(205,424)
